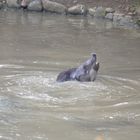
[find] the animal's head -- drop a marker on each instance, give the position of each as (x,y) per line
(88,70)
(91,64)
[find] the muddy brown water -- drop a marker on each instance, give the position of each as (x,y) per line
(35,47)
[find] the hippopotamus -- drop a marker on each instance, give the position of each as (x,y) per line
(85,72)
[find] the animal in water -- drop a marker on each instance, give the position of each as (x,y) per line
(84,73)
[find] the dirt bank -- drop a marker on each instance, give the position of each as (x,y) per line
(111,3)
(119,5)
(120,11)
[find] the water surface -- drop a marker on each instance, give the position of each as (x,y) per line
(35,47)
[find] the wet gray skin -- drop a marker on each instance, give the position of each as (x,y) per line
(85,72)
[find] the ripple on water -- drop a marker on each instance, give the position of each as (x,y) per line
(106,90)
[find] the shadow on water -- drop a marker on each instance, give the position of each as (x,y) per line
(36,47)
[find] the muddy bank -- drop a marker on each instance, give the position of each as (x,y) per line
(120,5)
(121,12)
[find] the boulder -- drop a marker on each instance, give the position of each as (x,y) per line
(117,17)
(78,9)
(109,16)
(2,3)
(100,12)
(35,5)
(12,4)
(91,11)
(27,1)
(53,7)
(109,10)
(122,19)
(126,20)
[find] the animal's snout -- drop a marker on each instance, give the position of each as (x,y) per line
(96,67)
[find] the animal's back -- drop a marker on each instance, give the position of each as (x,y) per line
(65,75)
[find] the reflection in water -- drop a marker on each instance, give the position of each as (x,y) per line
(35,47)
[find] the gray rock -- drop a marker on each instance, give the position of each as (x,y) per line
(78,9)
(122,19)
(100,12)
(16,3)
(35,5)
(109,16)
(2,4)
(27,2)
(117,17)
(131,14)
(91,11)
(126,20)
(109,10)
(53,7)
(12,4)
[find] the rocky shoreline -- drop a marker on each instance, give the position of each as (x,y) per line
(131,18)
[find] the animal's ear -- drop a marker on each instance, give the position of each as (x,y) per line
(94,55)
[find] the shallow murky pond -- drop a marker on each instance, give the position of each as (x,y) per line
(35,47)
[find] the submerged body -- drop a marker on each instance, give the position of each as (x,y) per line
(85,72)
